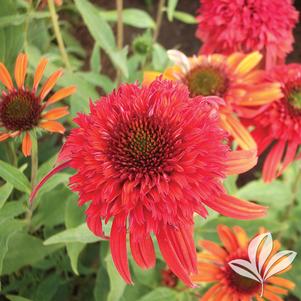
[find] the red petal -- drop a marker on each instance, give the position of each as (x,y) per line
(118,247)
(171,257)
(143,251)
(236,208)
(46,178)
(271,163)
(289,156)
(94,221)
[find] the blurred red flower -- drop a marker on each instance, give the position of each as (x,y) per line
(149,158)
(279,123)
(226,26)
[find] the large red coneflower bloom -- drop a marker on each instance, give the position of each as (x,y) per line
(149,158)
(213,267)
(226,26)
(235,78)
(279,124)
(23,109)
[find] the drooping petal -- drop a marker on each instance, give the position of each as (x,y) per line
(290,154)
(143,251)
(56,113)
(171,257)
(39,73)
(5,77)
(241,161)
(271,163)
(240,209)
(46,178)
(20,69)
(118,247)
(4,136)
(60,94)
(26,144)
(52,126)
(49,84)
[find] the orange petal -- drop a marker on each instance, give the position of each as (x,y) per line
(276,289)
(211,293)
(150,76)
(5,77)
(39,73)
(52,126)
(240,161)
(206,273)
(249,62)
(26,145)
(4,136)
(49,84)
(282,282)
(60,94)
(213,248)
(234,59)
(20,69)
(271,296)
(241,135)
(56,113)
(227,238)
(242,237)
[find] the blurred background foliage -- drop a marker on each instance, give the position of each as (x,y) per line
(46,252)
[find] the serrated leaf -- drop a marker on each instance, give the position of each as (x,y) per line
(15,177)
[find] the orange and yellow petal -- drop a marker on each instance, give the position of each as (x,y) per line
(248,63)
(50,83)
(26,144)
(20,69)
(241,161)
(150,76)
(56,113)
(52,126)
(241,135)
(282,282)
(60,94)
(5,77)
(242,237)
(39,73)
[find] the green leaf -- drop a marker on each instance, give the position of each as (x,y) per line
(47,288)
(80,233)
(117,284)
(275,194)
(16,298)
(11,210)
(102,34)
(12,20)
(171,7)
(95,62)
(15,177)
(160,58)
(25,250)
(159,294)
(131,16)
(185,18)
(5,191)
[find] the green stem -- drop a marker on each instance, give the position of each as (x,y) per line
(26,25)
(159,19)
(119,8)
(11,153)
(34,160)
(58,34)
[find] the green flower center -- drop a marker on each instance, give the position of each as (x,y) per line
(295,98)
(206,81)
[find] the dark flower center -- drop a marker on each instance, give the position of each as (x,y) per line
(20,110)
(141,146)
(206,81)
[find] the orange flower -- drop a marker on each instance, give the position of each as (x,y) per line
(213,266)
(233,78)
(22,109)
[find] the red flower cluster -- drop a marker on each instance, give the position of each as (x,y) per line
(149,158)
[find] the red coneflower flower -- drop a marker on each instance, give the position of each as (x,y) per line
(149,158)
(234,78)
(226,26)
(280,123)
(22,108)
(213,266)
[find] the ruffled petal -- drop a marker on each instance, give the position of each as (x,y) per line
(118,247)
(20,69)
(143,251)
(94,221)
(240,209)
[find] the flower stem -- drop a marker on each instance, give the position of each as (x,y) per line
(11,153)
(58,34)
(34,160)
(119,8)
(158,19)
